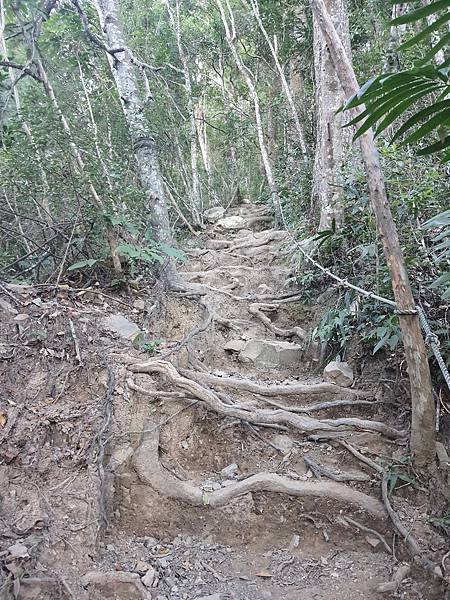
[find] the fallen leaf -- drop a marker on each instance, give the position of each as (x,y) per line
(3,418)
(18,551)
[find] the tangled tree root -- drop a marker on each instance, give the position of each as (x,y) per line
(257,310)
(258,415)
(149,469)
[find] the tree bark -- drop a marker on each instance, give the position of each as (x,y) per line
(332,140)
(144,145)
(196,199)
(230,33)
(423,415)
(284,82)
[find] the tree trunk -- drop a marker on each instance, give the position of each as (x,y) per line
(97,201)
(332,140)
(196,199)
(248,78)
(423,414)
(284,83)
(144,145)
(199,114)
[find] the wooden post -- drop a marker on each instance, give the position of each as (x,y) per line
(423,416)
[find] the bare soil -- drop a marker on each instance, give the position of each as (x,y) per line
(79,519)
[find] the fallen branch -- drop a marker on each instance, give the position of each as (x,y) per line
(392,586)
(257,415)
(150,470)
(368,530)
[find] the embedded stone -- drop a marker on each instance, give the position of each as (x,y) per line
(339,373)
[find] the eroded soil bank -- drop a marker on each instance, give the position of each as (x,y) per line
(208,459)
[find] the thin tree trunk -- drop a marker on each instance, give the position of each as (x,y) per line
(110,234)
(248,78)
(423,415)
(196,199)
(26,128)
(199,114)
(332,139)
(284,82)
(144,145)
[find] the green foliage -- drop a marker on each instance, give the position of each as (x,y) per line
(440,225)
(425,86)
(141,343)
(397,472)
(441,522)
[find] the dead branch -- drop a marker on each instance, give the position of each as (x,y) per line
(365,459)
(23,68)
(149,470)
(257,415)
(392,586)
(370,531)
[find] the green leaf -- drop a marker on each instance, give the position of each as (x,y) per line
(172,252)
(436,147)
(421,13)
(425,32)
(417,117)
(441,119)
(89,262)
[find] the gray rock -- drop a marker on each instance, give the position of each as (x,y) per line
(234,345)
(149,577)
(232,223)
(139,304)
(283,442)
(230,471)
(116,584)
(21,318)
(271,354)
(212,215)
(121,326)
(339,373)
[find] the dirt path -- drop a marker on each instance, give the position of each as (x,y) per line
(243,484)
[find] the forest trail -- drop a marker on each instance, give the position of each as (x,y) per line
(251,479)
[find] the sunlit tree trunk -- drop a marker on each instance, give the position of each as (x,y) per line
(423,433)
(230,33)
(285,85)
(144,146)
(196,199)
(332,140)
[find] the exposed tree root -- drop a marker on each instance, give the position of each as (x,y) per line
(254,241)
(320,470)
(392,586)
(370,531)
(257,415)
(149,470)
(406,535)
(271,390)
(257,311)
(308,408)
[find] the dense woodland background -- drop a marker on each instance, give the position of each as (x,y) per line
(238,99)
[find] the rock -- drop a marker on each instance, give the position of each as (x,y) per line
(150,542)
(7,307)
(283,442)
(295,541)
(142,567)
(232,223)
(18,551)
(212,215)
(234,345)
(339,373)
(216,244)
(139,304)
(121,326)
(372,541)
(116,584)
(271,354)
(230,471)
(149,577)
(210,597)
(21,318)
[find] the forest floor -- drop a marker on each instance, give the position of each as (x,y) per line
(171,467)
